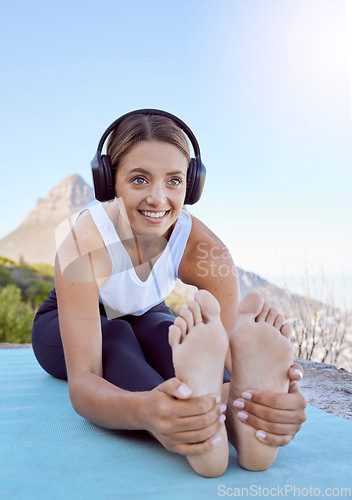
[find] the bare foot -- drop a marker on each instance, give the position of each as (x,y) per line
(261,355)
(199,345)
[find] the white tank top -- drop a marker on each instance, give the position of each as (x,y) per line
(124,292)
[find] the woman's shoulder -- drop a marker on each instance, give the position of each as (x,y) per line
(83,247)
(85,233)
(200,233)
(201,241)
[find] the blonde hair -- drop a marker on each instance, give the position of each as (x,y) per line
(141,127)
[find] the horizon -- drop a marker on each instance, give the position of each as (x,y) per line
(264,86)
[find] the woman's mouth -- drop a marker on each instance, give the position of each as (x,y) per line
(154,216)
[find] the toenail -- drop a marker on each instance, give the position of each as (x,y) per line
(298,372)
(218,399)
(222,419)
(238,404)
(246,395)
(242,415)
(223,408)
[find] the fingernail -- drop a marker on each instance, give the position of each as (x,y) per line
(298,372)
(184,390)
(242,415)
(238,404)
(246,395)
(261,435)
(218,399)
(222,419)
(223,408)
(216,440)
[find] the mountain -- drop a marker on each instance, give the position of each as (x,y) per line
(34,240)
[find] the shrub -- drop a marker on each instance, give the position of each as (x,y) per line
(5,277)
(16,317)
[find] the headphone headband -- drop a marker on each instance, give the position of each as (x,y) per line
(159,112)
(102,172)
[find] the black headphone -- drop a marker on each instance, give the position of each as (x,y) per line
(102,171)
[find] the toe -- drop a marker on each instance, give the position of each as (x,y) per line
(195,309)
(174,336)
(251,304)
(187,315)
(286,330)
(181,324)
(263,313)
(279,321)
(209,306)
(271,316)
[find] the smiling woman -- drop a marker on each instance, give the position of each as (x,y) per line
(129,362)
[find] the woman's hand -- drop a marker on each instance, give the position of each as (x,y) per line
(277,417)
(181,424)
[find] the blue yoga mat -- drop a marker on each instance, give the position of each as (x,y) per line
(49,452)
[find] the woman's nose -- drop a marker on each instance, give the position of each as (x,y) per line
(156,196)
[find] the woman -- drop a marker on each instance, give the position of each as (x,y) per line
(130,364)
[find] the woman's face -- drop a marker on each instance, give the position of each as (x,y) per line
(151,180)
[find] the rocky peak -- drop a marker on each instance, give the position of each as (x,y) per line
(66,198)
(34,240)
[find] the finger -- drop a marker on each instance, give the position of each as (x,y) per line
(273,439)
(187,315)
(279,401)
(184,406)
(277,428)
(192,436)
(175,388)
(197,448)
(268,414)
(195,309)
(300,399)
(271,316)
(174,336)
(263,313)
(295,372)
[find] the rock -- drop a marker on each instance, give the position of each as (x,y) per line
(327,387)
(34,240)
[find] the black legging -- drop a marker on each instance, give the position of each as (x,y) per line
(135,349)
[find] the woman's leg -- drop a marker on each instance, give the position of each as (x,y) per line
(152,332)
(47,345)
(124,364)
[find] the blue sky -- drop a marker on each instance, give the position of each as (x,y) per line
(264,84)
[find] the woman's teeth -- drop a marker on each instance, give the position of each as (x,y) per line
(156,215)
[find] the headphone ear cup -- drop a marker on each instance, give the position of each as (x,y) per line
(108,188)
(191,173)
(195,181)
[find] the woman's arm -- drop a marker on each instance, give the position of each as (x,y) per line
(208,265)
(82,266)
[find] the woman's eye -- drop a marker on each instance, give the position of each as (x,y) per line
(138,180)
(174,182)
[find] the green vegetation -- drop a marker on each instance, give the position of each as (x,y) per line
(22,289)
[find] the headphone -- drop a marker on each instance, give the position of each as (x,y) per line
(102,170)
